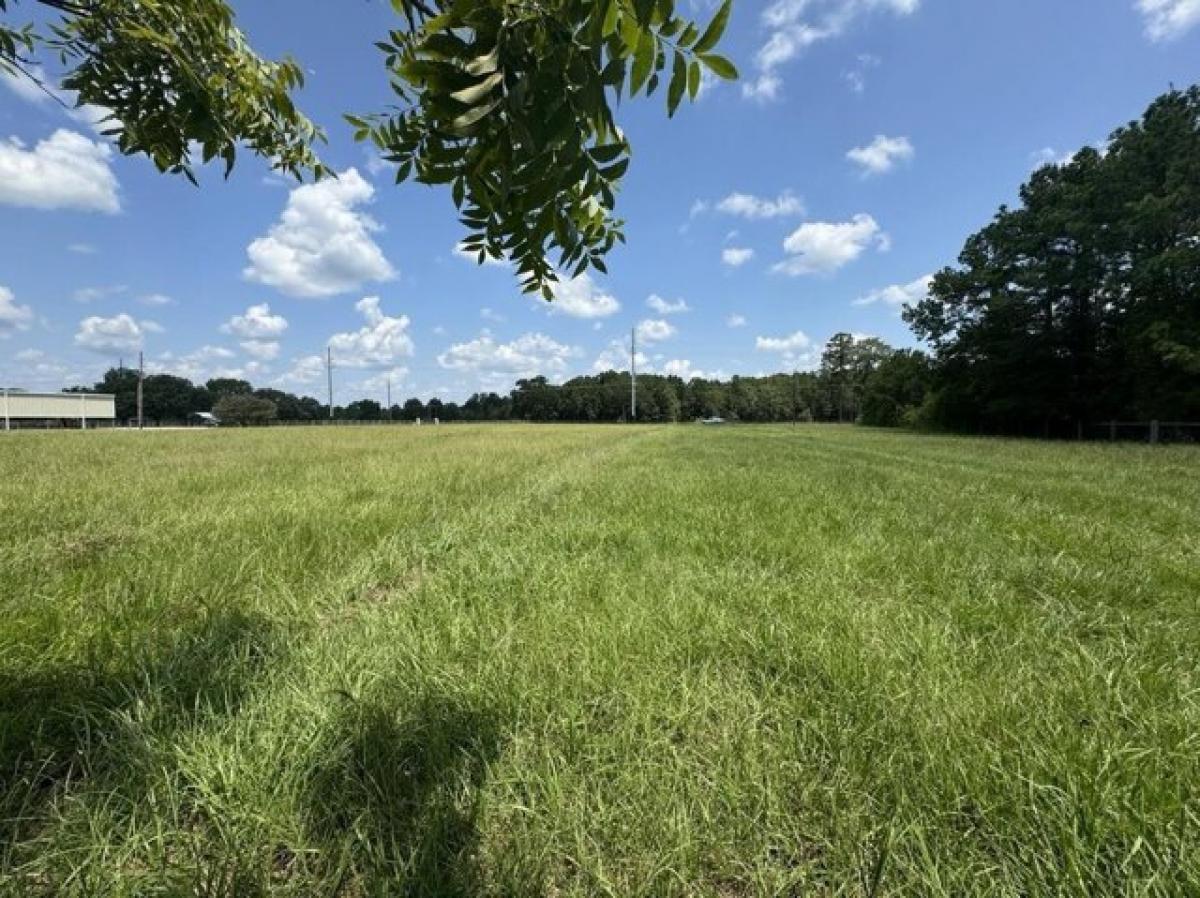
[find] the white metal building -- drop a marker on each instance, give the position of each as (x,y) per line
(72,409)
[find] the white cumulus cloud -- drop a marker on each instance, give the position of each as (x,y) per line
(882,154)
(1169,19)
(655,330)
(256,323)
(746,205)
(791,343)
(735,320)
(12,316)
(666,306)
(897,295)
(736,256)
(380,343)
(682,368)
(615,357)
(110,336)
(64,171)
(581,298)
(822,247)
(322,243)
(526,356)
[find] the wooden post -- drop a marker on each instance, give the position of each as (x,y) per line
(1112,431)
(1154,433)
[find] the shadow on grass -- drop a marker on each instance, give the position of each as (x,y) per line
(94,724)
(395,797)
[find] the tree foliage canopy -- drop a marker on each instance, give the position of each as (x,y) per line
(1082,304)
(509,102)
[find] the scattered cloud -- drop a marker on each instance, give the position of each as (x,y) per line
(682,368)
(92,294)
(526,356)
(856,77)
(305,370)
(1169,19)
(265,350)
(794,25)
(203,364)
(489,314)
(256,323)
(82,249)
(156,299)
(897,295)
(12,316)
(581,298)
(796,350)
(791,343)
(667,307)
(615,357)
(380,343)
(735,321)
(110,336)
(322,243)
(822,247)
(64,171)
(655,330)
(882,154)
(745,205)
(736,257)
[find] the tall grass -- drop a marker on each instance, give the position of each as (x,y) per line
(568,661)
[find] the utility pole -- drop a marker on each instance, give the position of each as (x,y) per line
(389,399)
(633,374)
(141,378)
(329,374)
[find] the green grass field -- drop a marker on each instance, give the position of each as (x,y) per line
(561,661)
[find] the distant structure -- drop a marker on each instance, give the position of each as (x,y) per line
(21,410)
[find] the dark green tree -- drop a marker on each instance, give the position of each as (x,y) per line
(245,410)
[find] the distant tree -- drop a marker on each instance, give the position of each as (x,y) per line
(288,406)
(220,387)
(896,389)
(414,409)
(435,409)
(121,383)
(364,410)
(166,397)
(245,410)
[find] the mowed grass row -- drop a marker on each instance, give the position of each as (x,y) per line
(561,661)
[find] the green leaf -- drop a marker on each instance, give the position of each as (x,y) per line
(715,30)
(720,66)
(472,95)
(695,79)
(679,79)
(643,63)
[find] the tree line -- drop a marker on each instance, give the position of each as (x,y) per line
(859,379)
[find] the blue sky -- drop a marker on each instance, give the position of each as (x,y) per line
(865,141)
